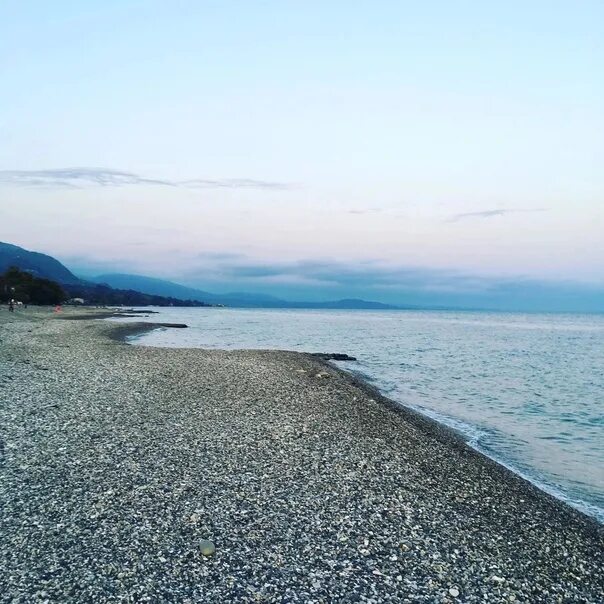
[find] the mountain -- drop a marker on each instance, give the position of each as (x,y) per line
(39,278)
(150,285)
(162,287)
(39,265)
(103,295)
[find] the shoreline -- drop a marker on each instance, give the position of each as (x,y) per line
(447,434)
(584,508)
(440,429)
(433,426)
(118,460)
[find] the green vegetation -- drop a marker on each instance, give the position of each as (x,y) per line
(24,287)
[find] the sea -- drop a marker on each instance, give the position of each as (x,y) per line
(524,389)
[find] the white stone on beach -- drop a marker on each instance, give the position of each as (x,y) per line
(206,547)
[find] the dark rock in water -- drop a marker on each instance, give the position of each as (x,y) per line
(333,356)
(179,325)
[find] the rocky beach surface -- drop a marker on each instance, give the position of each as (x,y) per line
(138,474)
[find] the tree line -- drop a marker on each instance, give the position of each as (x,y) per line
(23,287)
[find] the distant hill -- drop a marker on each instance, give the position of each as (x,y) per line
(39,265)
(162,287)
(41,278)
(103,295)
(150,285)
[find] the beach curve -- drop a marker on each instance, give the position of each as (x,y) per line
(119,460)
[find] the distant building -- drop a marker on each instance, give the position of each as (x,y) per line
(76,301)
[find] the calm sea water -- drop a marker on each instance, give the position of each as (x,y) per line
(526,389)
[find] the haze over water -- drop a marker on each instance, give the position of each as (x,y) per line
(526,389)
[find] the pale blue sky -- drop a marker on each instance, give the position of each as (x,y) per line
(464,137)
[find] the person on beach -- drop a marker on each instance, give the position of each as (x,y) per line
(11,306)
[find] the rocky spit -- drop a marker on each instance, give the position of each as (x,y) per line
(136,474)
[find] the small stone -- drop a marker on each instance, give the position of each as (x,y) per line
(454,592)
(206,547)
(497,579)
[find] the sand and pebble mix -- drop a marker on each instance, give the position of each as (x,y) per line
(136,474)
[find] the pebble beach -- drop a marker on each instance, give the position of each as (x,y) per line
(139,474)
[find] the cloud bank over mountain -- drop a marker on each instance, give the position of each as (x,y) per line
(313,280)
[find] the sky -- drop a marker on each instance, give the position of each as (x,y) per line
(392,150)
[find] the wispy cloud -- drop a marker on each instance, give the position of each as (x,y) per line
(103,177)
(365,211)
(235,183)
(491,213)
(74,177)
